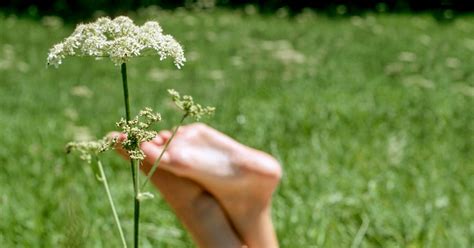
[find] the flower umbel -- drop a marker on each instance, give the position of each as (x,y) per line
(89,149)
(186,103)
(119,39)
(137,132)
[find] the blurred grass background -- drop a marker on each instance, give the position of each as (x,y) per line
(371,117)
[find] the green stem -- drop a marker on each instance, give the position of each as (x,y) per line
(157,161)
(137,204)
(127,111)
(125,91)
(103,179)
(136,213)
(136,220)
(136,208)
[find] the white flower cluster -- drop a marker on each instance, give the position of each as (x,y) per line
(119,39)
(186,103)
(137,131)
(90,149)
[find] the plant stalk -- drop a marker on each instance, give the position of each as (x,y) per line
(133,164)
(165,147)
(103,179)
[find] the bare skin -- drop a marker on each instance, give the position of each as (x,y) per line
(199,211)
(241,179)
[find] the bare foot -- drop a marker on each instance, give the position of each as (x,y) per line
(241,178)
(194,206)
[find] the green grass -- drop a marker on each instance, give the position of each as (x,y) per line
(372,119)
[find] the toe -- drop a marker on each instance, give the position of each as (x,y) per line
(152,153)
(158,140)
(165,135)
(118,147)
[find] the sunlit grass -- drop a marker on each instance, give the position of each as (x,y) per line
(372,118)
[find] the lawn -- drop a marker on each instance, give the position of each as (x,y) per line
(371,117)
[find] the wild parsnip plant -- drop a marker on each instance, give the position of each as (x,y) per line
(384,150)
(120,40)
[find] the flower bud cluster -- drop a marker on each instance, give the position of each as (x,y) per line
(119,39)
(186,103)
(142,196)
(137,132)
(90,149)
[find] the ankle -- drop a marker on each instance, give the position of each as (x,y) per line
(257,230)
(260,164)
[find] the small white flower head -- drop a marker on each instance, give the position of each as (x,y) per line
(90,149)
(186,103)
(118,39)
(142,196)
(137,131)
